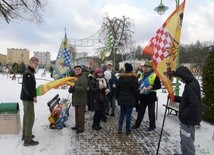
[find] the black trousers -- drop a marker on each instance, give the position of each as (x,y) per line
(97,117)
(151,112)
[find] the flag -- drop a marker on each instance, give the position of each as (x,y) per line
(108,46)
(42,89)
(67,59)
(62,66)
(164,47)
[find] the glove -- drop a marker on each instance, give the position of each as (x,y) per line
(107,91)
(71,89)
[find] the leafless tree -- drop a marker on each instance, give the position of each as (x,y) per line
(29,10)
(121,29)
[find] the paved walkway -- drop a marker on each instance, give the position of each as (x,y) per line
(108,142)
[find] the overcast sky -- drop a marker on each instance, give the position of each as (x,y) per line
(83,18)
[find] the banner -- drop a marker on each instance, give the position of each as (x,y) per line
(62,66)
(42,89)
(108,46)
(164,47)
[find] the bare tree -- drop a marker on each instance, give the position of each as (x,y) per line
(22,9)
(121,30)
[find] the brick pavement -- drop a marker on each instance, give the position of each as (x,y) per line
(108,142)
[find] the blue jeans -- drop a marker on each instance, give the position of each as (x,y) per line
(187,134)
(128,112)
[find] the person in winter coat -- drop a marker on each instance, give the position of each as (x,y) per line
(28,97)
(111,82)
(127,94)
(98,86)
(190,110)
(79,98)
(148,86)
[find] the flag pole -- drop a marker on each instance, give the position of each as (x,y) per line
(164,118)
(177,62)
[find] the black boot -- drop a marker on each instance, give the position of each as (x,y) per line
(95,127)
(30,143)
(135,126)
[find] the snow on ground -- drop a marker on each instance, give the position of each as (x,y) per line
(59,141)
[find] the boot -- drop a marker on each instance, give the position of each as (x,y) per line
(95,127)
(135,126)
(30,143)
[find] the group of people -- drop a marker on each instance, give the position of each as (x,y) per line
(101,87)
(104,88)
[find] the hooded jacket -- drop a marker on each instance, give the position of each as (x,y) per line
(190,110)
(127,92)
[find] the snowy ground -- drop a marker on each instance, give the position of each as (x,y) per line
(59,141)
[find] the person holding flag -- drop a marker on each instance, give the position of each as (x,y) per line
(148,86)
(190,110)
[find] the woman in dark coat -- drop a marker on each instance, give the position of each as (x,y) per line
(98,87)
(127,94)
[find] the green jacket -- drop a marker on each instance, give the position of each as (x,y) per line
(79,96)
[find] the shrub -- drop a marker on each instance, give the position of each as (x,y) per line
(208,87)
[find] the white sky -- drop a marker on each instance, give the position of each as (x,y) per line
(82,18)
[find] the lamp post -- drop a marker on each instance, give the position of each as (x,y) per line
(161,10)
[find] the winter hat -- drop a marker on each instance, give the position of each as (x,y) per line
(109,63)
(97,70)
(107,75)
(148,63)
(77,66)
(128,67)
(34,59)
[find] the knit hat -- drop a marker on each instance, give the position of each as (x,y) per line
(148,63)
(109,63)
(107,75)
(77,66)
(97,70)
(128,67)
(34,59)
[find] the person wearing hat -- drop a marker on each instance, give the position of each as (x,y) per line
(112,85)
(190,110)
(127,95)
(148,86)
(79,98)
(28,97)
(98,87)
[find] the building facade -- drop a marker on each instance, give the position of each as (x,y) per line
(44,59)
(15,55)
(3,59)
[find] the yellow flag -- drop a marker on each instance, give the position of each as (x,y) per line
(164,47)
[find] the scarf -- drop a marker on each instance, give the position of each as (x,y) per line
(102,82)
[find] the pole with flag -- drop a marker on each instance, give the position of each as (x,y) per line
(63,61)
(164,48)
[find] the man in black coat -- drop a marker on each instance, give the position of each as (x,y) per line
(190,111)
(28,97)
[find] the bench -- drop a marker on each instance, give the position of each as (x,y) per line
(172,106)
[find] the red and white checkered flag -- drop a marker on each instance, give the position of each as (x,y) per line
(160,43)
